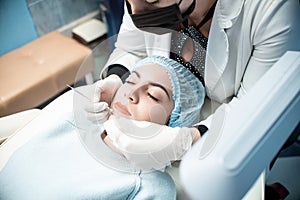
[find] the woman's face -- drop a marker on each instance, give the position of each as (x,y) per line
(138,6)
(146,95)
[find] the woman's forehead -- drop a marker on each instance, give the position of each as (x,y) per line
(153,67)
(154,72)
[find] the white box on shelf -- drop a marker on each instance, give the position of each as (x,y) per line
(90,30)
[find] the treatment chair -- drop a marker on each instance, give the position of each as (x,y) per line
(240,147)
(235,163)
(11,123)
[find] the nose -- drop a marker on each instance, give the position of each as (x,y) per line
(133,97)
(134,94)
(138,6)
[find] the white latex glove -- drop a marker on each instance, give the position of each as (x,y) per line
(148,145)
(105,89)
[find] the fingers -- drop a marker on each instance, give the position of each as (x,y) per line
(97,112)
(104,90)
(108,85)
(101,86)
(96,107)
(98,117)
(98,90)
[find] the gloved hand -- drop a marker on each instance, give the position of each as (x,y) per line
(105,89)
(148,145)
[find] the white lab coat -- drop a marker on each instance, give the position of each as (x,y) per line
(246,38)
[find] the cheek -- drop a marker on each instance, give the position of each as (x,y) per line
(158,114)
(152,113)
(149,111)
(136,6)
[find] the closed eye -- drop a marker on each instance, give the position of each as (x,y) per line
(152,97)
(129,82)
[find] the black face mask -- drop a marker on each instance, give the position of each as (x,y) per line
(168,17)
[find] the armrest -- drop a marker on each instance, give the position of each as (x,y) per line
(9,124)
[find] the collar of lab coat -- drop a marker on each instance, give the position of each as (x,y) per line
(226,13)
(229,10)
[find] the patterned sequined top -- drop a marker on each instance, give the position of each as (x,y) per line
(197,63)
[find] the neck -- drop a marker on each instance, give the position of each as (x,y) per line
(201,10)
(184,5)
(109,143)
(202,7)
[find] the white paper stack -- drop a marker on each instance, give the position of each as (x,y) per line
(90,30)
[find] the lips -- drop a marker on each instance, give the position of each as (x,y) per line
(121,108)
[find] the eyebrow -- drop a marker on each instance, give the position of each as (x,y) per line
(162,87)
(154,84)
(137,74)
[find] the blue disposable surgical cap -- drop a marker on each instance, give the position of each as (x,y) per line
(188,91)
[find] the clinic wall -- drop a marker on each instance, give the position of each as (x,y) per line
(16,25)
(22,21)
(49,15)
